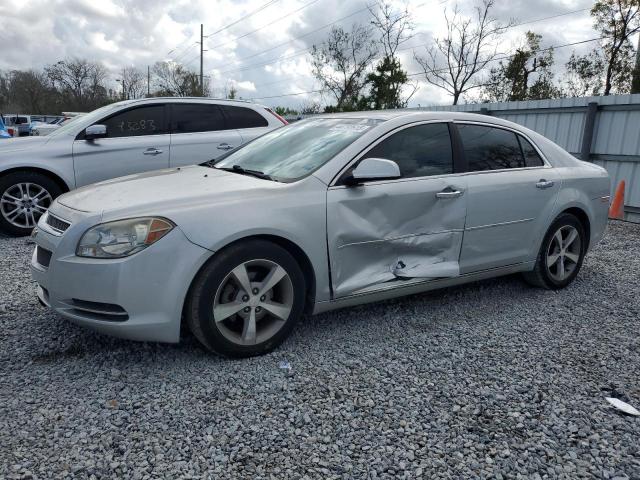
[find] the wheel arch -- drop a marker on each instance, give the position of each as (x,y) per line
(296,251)
(48,173)
(583,217)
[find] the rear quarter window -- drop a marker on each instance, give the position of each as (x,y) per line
(242,117)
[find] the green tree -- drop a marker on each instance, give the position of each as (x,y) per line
(617,21)
(386,84)
(526,76)
(584,75)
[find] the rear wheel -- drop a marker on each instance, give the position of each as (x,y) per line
(561,254)
(24,197)
(246,301)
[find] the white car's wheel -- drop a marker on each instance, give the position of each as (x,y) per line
(24,197)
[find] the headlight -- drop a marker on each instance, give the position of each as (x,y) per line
(123,237)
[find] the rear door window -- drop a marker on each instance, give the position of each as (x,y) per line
(136,122)
(490,148)
(191,118)
(242,117)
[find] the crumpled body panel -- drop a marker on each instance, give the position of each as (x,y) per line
(387,232)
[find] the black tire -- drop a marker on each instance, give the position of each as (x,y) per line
(14,178)
(541,275)
(200,301)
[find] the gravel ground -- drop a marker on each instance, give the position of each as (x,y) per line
(492,379)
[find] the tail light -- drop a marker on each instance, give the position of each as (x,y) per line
(277,116)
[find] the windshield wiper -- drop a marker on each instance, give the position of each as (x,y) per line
(246,171)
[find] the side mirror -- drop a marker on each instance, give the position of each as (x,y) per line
(95,131)
(373,169)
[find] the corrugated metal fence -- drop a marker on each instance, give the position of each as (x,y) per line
(603,130)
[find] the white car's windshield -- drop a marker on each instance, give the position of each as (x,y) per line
(90,118)
(295,151)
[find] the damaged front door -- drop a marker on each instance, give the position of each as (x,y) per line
(384,232)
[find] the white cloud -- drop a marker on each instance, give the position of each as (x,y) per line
(122,33)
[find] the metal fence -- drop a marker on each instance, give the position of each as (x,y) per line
(603,130)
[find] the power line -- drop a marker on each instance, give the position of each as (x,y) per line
(306,34)
(301,52)
(229,25)
(266,25)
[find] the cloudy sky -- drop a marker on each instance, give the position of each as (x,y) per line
(263,55)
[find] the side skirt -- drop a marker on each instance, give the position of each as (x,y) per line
(418,286)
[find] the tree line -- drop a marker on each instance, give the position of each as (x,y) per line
(360,68)
(81,85)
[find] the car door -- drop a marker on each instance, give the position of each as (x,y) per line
(248,123)
(199,133)
(511,193)
(137,140)
(384,233)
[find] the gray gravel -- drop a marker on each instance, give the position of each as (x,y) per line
(492,379)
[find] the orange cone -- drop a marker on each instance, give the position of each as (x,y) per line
(617,206)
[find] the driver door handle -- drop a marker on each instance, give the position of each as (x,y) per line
(544,183)
(225,146)
(152,151)
(449,193)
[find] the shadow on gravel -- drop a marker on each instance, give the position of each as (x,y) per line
(73,351)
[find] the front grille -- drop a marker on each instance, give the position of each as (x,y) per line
(43,256)
(99,310)
(57,224)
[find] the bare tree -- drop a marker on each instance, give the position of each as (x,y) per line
(617,21)
(172,79)
(81,81)
(455,61)
(135,82)
(394,27)
(341,61)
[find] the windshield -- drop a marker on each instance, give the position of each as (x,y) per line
(90,118)
(290,153)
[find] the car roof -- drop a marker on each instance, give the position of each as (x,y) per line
(421,115)
(224,101)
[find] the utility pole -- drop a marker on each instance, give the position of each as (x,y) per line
(148,81)
(124,92)
(201,59)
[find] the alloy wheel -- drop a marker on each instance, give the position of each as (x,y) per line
(253,302)
(24,203)
(563,254)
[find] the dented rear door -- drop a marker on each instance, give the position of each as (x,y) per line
(387,232)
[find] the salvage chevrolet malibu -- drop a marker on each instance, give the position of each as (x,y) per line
(332,211)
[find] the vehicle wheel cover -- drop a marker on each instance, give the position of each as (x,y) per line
(563,254)
(23,204)
(253,302)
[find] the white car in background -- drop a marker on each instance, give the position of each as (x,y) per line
(44,129)
(120,139)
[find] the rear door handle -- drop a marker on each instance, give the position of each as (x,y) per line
(225,146)
(449,193)
(152,151)
(544,183)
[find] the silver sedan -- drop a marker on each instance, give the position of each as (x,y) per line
(330,212)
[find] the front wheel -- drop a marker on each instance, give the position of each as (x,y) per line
(247,299)
(24,197)
(561,254)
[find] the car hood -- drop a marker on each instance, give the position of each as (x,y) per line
(164,191)
(12,145)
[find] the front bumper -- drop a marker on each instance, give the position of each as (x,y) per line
(138,297)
